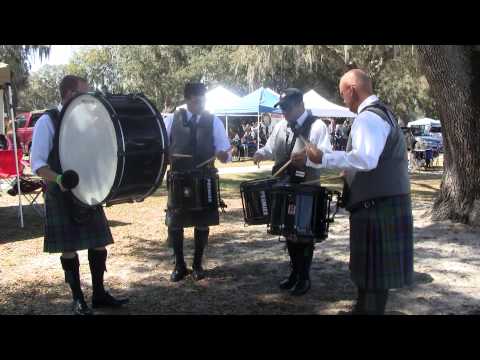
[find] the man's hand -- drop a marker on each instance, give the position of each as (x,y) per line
(222,156)
(299,159)
(314,155)
(257,158)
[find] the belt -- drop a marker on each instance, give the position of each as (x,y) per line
(366,204)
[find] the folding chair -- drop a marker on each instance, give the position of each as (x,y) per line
(31,187)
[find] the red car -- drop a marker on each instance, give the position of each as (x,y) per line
(24,123)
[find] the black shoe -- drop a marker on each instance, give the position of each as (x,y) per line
(107,300)
(178,273)
(198,273)
(301,287)
(80,307)
(289,282)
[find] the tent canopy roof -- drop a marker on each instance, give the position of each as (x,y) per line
(260,101)
(217,97)
(324,108)
(424,121)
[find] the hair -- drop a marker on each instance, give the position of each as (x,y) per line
(69,83)
(194,89)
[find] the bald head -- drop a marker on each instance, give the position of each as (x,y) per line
(359,79)
(355,87)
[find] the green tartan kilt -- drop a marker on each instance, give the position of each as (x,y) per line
(381,244)
(62,234)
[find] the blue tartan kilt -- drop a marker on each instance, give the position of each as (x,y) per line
(62,234)
(381,244)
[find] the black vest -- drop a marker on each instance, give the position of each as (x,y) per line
(183,140)
(288,141)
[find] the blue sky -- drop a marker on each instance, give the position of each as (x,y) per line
(59,54)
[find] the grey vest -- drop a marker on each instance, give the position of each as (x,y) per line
(283,143)
(390,177)
(182,142)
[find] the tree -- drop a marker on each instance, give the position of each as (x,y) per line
(42,89)
(453,73)
(17,56)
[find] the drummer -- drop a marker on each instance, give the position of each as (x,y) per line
(63,233)
(196,136)
(284,145)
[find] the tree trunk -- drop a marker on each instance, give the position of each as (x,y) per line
(453,73)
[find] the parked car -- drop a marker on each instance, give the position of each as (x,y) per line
(24,123)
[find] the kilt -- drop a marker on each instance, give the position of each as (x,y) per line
(381,244)
(62,234)
(179,219)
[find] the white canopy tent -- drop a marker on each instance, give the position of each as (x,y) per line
(5,84)
(424,122)
(216,99)
(323,108)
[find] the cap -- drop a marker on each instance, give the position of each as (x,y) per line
(290,95)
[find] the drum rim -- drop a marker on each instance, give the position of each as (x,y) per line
(121,145)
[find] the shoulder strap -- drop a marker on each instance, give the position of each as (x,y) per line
(381,110)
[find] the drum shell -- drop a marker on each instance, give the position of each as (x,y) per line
(195,190)
(256,200)
(299,210)
(141,142)
(144,147)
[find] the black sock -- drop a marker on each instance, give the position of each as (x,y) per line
(176,239)
(292,252)
(305,255)
(381,298)
(201,240)
(376,301)
(361,301)
(97,260)
(72,276)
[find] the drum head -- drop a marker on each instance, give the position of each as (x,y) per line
(88,145)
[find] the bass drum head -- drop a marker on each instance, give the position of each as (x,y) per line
(88,145)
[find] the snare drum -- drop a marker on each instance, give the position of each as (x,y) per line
(256,202)
(116,143)
(301,211)
(193,190)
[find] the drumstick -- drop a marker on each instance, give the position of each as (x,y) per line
(282,168)
(181,155)
(317,180)
(206,161)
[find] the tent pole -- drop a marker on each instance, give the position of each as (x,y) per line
(12,116)
(226,124)
(258,130)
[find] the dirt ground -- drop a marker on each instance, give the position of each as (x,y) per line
(244,264)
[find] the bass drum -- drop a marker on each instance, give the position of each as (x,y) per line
(116,143)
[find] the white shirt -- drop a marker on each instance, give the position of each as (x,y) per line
(42,141)
(220,139)
(369,134)
(318,136)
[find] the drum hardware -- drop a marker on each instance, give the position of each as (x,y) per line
(182,155)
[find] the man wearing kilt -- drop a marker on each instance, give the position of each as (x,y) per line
(377,195)
(283,145)
(69,228)
(195,136)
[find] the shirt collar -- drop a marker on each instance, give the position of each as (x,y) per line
(299,122)
(366,102)
(59,107)
(189,116)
